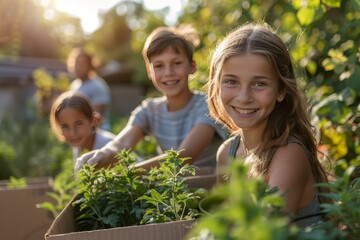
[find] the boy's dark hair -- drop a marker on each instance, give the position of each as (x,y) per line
(182,38)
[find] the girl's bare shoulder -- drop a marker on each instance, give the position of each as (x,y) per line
(223,150)
(291,155)
(291,149)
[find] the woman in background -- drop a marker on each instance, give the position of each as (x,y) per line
(81,67)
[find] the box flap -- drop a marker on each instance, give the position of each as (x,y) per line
(64,222)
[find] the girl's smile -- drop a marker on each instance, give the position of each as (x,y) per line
(246,112)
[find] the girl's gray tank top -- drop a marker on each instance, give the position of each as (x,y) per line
(306,215)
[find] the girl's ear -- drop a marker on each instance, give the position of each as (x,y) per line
(96,120)
(281,96)
(193,67)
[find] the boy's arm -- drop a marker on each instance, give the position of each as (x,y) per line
(151,162)
(192,146)
(196,141)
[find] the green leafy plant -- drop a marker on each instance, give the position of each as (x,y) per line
(249,210)
(17,182)
(49,88)
(46,83)
(63,189)
(29,149)
(242,209)
(125,195)
(7,159)
(169,198)
(107,196)
(345,213)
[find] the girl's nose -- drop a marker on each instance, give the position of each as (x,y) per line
(245,94)
(73,132)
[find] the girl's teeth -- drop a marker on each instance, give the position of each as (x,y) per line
(245,111)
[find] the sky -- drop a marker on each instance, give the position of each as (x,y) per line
(87,10)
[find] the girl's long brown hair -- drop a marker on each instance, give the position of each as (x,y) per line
(289,120)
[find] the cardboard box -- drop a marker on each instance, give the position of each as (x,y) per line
(19,217)
(203,181)
(31,182)
(63,228)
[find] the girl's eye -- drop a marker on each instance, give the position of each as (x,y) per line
(259,84)
(157,66)
(229,81)
(64,126)
(178,62)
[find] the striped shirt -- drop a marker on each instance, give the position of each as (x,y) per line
(171,128)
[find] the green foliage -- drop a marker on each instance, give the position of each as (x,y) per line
(7,159)
(112,40)
(243,209)
(345,213)
(167,197)
(47,84)
(30,150)
(125,195)
(146,148)
(244,206)
(48,88)
(107,197)
(63,189)
(17,182)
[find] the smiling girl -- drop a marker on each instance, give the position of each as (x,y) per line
(254,92)
(74,120)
